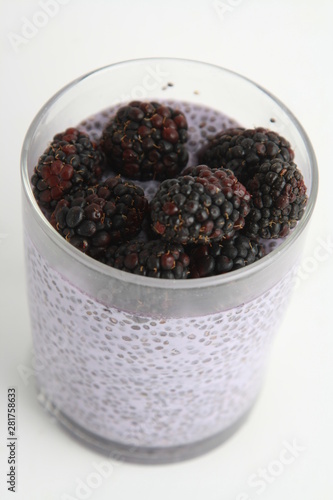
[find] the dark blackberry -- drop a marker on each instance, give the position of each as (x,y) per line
(205,207)
(156,259)
(145,140)
(95,217)
(69,161)
(241,150)
(224,256)
(279,199)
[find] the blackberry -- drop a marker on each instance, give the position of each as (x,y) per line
(69,161)
(279,199)
(156,258)
(222,257)
(206,206)
(241,150)
(95,217)
(145,140)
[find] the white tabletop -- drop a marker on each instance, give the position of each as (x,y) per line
(287,48)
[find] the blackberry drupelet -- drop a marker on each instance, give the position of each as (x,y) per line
(145,140)
(71,160)
(156,259)
(279,199)
(225,256)
(241,150)
(95,217)
(206,206)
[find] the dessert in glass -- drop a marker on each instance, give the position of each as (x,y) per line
(152,342)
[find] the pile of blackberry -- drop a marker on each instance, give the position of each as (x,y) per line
(204,220)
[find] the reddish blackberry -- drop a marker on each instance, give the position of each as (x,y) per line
(206,206)
(241,150)
(69,161)
(94,218)
(156,258)
(145,140)
(279,199)
(224,256)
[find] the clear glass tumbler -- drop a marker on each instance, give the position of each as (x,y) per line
(147,369)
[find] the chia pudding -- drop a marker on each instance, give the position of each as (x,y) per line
(147,381)
(140,369)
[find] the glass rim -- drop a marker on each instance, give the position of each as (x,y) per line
(108,271)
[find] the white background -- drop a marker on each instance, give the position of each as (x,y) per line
(284,45)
